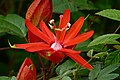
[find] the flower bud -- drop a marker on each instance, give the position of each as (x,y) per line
(27,71)
(39,10)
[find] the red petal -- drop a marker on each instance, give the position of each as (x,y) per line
(27,74)
(74,30)
(65,19)
(54,57)
(47,11)
(62,35)
(37,48)
(42,12)
(70,50)
(33,47)
(25,71)
(77,58)
(46,30)
(33,38)
(32,8)
(80,38)
(37,32)
(24,46)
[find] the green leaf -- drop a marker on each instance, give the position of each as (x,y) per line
(90,53)
(55,78)
(117,47)
(4,78)
(13,24)
(66,78)
(105,39)
(66,66)
(110,13)
(84,47)
(113,57)
(13,78)
(94,73)
(100,55)
(104,74)
(108,76)
(68,72)
(107,70)
(1,17)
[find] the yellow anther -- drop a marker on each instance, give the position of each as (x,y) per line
(50,26)
(69,25)
(51,21)
(48,54)
(11,45)
(31,67)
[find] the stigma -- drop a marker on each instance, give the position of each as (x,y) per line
(56,46)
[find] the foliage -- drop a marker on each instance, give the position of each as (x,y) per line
(7,78)
(105,39)
(13,24)
(113,57)
(110,13)
(104,74)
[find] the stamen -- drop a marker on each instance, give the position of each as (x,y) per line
(51,21)
(68,24)
(31,67)
(52,24)
(58,29)
(61,16)
(66,27)
(48,54)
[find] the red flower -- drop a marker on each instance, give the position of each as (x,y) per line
(39,10)
(55,47)
(27,71)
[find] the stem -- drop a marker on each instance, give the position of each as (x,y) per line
(20,6)
(90,59)
(78,68)
(26,39)
(74,74)
(117,29)
(43,68)
(5,48)
(87,62)
(59,63)
(50,69)
(87,16)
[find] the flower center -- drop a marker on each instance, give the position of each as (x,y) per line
(56,46)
